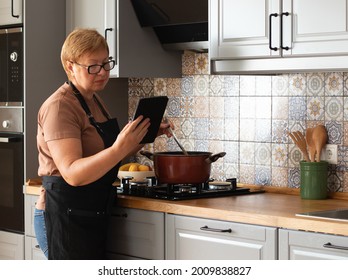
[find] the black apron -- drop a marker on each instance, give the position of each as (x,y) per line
(77,217)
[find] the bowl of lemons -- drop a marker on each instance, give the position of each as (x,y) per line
(138,171)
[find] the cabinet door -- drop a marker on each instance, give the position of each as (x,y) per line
(241,29)
(29,208)
(32,249)
(196,239)
(298,245)
(136,234)
(315,28)
(11,246)
(11,12)
(98,14)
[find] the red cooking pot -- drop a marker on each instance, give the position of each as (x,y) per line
(178,168)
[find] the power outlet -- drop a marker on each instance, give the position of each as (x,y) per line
(329,153)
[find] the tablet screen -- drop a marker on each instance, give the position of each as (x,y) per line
(152,108)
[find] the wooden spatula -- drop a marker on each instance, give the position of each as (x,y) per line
(319,139)
(310,143)
(300,141)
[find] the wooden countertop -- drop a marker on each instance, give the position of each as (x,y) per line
(269,209)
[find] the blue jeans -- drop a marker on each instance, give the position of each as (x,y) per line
(40,230)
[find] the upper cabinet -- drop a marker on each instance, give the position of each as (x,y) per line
(240,29)
(136,50)
(100,15)
(314,27)
(11,12)
(278,35)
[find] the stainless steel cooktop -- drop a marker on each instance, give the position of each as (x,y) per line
(334,215)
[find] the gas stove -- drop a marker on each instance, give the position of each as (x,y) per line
(150,188)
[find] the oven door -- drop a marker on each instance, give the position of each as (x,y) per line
(11,182)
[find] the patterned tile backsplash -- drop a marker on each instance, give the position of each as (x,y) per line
(248,117)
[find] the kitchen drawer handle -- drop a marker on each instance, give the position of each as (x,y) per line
(206,228)
(37,246)
(331,246)
(270,31)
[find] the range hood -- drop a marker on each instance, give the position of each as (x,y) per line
(178,24)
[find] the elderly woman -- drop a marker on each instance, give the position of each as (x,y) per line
(80,148)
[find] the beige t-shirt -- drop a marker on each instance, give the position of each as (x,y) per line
(61,116)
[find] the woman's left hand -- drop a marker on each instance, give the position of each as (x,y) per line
(164,129)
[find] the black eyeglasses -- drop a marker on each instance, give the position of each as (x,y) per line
(96,68)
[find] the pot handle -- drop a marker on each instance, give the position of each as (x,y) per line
(215,157)
(149,155)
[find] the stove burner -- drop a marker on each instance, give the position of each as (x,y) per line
(151,189)
(220,186)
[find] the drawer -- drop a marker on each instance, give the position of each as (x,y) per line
(136,233)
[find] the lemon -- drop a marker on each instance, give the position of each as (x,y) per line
(133,167)
(144,168)
(125,167)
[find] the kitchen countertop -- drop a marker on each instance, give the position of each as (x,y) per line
(276,208)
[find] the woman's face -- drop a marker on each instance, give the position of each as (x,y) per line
(87,83)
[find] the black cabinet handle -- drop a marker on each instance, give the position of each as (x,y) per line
(270,31)
(106,33)
(281,31)
(37,246)
(12,13)
(206,228)
(331,246)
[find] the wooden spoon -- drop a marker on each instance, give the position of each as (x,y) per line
(310,143)
(319,139)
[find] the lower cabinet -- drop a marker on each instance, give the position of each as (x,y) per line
(299,245)
(189,238)
(141,234)
(32,248)
(136,234)
(11,246)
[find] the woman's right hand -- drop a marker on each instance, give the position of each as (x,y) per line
(132,134)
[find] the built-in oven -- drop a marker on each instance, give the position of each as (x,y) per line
(12,169)
(11,130)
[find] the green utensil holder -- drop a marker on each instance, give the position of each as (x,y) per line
(313,180)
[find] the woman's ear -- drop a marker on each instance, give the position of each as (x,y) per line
(70,67)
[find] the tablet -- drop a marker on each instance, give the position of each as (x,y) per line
(152,108)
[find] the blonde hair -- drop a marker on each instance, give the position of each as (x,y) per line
(79,42)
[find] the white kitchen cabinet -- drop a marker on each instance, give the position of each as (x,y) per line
(29,208)
(240,29)
(189,238)
(278,35)
(11,246)
(136,50)
(300,245)
(136,234)
(32,248)
(11,12)
(315,27)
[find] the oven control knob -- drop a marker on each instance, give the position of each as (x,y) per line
(6,124)
(14,56)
